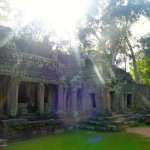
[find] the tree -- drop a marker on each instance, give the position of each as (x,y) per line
(6,35)
(7,12)
(143,62)
(111,26)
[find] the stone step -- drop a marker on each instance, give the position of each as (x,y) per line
(97,123)
(3,144)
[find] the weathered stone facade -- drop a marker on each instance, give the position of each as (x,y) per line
(74,86)
(71,85)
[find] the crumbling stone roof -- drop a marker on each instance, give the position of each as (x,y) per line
(122,74)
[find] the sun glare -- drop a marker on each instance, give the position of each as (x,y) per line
(62,14)
(141,27)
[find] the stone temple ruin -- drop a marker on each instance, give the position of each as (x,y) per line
(42,90)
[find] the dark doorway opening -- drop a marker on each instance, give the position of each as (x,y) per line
(92,95)
(112,100)
(22,98)
(129,100)
(55,99)
(27,98)
(46,95)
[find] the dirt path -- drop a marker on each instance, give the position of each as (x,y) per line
(140,130)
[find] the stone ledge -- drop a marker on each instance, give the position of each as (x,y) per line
(3,144)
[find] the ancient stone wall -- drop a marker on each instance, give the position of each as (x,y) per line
(142,96)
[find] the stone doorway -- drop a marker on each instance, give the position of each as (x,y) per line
(129,100)
(112,100)
(55,99)
(92,95)
(50,98)
(27,98)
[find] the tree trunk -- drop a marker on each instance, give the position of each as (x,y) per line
(105,55)
(114,55)
(100,42)
(133,59)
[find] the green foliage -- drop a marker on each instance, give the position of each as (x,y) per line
(110,25)
(5,9)
(143,62)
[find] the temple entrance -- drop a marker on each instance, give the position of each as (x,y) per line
(55,99)
(22,98)
(3,94)
(92,95)
(112,101)
(50,98)
(129,100)
(79,100)
(27,98)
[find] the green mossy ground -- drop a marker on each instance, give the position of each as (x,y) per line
(77,140)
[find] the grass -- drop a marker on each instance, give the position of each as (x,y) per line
(143,125)
(77,140)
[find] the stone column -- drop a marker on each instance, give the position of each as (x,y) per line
(74,106)
(116,102)
(97,101)
(12,98)
(40,98)
(106,99)
(60,99)
(65,100)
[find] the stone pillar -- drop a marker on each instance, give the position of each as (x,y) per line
(60,99)
(106,99)
(97,101)
(40,98)
(74,106)
(12,98)
(65,100)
